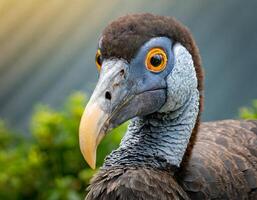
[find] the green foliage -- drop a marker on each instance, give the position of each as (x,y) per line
(49,164)
(249,113)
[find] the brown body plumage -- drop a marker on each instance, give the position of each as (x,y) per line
(223,165)
(220,161)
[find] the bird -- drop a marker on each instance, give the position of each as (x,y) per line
(150,73)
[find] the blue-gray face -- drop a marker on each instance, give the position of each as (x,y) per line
(142,78)
(138,88)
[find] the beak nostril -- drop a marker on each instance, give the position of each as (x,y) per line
(108,95)
(122,72)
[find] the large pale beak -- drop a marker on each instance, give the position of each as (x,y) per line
(91,132)
(95,119)
(113,102)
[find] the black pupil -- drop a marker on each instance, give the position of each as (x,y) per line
(99,60)
(156,60)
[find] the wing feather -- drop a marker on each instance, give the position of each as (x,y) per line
(135,183)
(223,163)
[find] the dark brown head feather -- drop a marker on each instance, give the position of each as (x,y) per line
(123,37)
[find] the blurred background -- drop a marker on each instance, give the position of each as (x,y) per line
(47,51)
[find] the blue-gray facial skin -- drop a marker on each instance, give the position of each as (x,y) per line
(126,90)
(141,77)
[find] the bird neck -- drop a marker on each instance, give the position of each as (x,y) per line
(159,140)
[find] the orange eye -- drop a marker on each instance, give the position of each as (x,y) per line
(156,60)
(98,59)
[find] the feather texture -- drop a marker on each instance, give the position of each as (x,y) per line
(134,183)
(222,165)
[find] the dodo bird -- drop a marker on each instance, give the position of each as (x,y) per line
(150,72)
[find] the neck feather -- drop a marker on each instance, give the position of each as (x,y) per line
(158,140)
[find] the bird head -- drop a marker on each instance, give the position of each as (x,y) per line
(142,60)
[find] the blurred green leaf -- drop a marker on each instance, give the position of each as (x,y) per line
(249,113)
(49,165)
